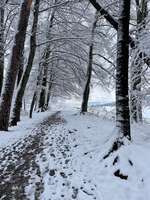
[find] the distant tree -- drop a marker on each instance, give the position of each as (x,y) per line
(46,56)
(34,97)
(86,91)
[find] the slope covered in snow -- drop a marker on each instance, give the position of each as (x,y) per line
(23,129)
(76,166)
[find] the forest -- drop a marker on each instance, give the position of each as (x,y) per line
(74,99)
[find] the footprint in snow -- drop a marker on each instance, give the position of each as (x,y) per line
(70,131)
(52,172)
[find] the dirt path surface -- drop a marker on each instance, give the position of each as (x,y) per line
(18,162)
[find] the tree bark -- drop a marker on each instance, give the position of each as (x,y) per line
(44,81)
(32,104)
(20,70)
(122,91)
(136,68)
(46,56)
(35,95)
(49,87)
(23,82)
(89,69)
(1,45)
(135,96)
(8,89)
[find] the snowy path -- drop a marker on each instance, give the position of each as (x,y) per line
(18,162)
(45,164)
(63,160)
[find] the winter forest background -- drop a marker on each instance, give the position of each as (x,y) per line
(80,70)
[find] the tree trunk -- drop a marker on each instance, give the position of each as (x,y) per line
(8,89)
(122,91)
(1,45)
(114,24)
(49,87)
(135,96)
(35,95)
(122,94)
(20,70)
(136,68)
(42,96)
(44,84)
(23,82)
(46,56)
(32,104)
(89,69)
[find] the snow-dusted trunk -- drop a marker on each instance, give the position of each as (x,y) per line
(114,24)
(46,56)
(20,70)
(35,95)
(32,104)
(48,88)
(8,89)
(136,68)
(136,98)
(23,82)
(1,44)
(43,90)
(122,92)
(86,91)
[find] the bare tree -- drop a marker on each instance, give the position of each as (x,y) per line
(86,91)
(114,24)
(136,65)
(8,89)
(122,90)
(45,63)
(23,82)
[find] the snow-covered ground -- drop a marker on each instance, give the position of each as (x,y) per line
(107,110)
(76,170)
(71,164)
(23,129)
